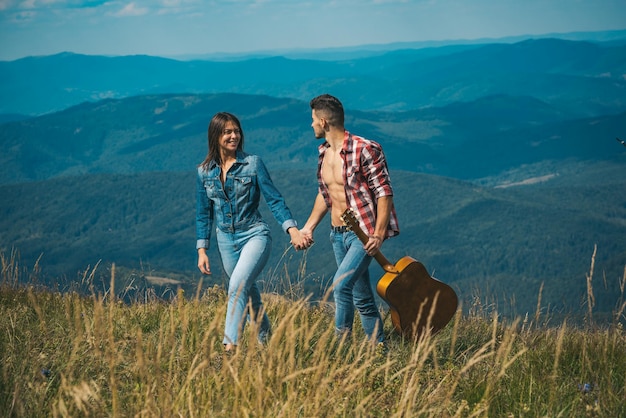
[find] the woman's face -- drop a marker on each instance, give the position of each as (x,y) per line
(229,140)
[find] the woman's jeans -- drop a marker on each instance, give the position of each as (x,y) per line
(351,287)
(244,255)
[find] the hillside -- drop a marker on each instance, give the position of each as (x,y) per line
(502,243)
(68,355)
(468,140)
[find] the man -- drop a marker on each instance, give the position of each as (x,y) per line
(352,173)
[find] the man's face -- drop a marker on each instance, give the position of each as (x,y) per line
(318,125)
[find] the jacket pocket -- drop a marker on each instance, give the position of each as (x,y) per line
(243,185)
(211,188)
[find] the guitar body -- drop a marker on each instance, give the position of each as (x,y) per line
(416,300)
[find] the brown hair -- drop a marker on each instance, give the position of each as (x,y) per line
(216,129)
(330,108)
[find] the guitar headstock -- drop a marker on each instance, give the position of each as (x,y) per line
(349,218)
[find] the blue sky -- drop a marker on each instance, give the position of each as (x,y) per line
(184,27)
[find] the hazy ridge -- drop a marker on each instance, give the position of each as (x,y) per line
(557,71)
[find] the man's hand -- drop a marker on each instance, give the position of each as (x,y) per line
(307,234)
(301,239)
(373,244)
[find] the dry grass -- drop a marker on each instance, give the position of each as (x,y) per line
(69,355)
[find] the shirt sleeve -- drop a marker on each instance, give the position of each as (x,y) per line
(273,198)
(374,164)
(204,214)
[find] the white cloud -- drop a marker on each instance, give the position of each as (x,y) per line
(5,4)
(389,1)
(52,2)
(170,7)
(27,4)
(131,9)
(24,16)
(178,3)
(37,5)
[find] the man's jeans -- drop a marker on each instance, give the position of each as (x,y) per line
(351,287)
(244,255)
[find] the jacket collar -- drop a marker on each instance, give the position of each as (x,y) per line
(240,159)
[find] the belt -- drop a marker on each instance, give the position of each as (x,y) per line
(339,229)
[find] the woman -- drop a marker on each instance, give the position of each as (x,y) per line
(229,187)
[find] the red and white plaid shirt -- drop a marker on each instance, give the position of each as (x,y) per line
(366,179)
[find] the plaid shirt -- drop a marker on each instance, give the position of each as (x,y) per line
(366,179)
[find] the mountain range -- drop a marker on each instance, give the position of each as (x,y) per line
(556,71)
(504,162)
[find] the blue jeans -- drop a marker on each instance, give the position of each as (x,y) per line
(244,255)
(351,287)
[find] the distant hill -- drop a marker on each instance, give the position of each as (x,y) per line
(114,181)
(556,71)
(499,244)
(9,117)
(614,37)
(472,140)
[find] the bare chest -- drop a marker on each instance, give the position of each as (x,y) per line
(332,169)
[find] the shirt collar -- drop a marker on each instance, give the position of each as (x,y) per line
(348,143)
(346,147)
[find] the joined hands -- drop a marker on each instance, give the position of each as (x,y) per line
(301,239)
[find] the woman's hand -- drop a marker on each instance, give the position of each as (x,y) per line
(203,261)
(300,240)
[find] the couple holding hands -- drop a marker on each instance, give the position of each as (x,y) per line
(352,173)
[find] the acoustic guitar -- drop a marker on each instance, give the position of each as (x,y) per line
(417,301)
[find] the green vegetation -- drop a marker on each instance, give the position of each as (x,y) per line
(466,140)
(505,244)
(503,194)
(63,354)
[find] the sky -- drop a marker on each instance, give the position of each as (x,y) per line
(176,28)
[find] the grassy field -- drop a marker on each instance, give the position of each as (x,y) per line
(63,354)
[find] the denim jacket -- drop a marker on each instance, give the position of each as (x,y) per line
(235,205)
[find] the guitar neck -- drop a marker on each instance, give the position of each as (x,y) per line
(379,257)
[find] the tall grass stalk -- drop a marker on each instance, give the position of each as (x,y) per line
(591,300)
(68,355)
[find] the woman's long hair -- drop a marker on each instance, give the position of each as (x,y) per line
(216,129)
